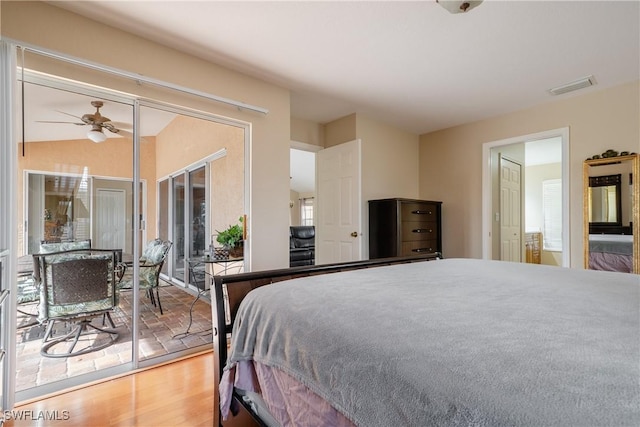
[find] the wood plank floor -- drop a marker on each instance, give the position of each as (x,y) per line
(176,394)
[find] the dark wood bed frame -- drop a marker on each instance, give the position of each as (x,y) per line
(228,291)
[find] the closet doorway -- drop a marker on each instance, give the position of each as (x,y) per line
(543,225)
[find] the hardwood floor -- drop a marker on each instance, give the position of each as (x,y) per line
(176,394)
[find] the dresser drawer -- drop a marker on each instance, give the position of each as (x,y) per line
(419,247)
(404,227)
(419,230)
(419,212)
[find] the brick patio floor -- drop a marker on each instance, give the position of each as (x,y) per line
(160,334)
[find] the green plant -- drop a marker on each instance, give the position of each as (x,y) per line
(232,236)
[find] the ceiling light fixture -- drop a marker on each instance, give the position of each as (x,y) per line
(458,6)
(96,135)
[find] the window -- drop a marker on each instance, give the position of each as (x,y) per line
(552,214)
(306,211)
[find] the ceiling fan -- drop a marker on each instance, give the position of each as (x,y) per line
(97,121)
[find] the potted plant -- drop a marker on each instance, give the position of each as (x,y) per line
(231,238)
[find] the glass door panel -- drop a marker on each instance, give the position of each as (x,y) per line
(198,212)
(75,184)
(163,216)
(179,227)
(74,190)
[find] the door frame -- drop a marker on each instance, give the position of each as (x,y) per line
(487,193)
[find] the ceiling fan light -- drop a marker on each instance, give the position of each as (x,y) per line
(96,136)
(457,6)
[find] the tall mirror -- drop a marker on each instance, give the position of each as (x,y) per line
(611,214)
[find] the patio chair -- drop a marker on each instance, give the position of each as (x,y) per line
(151,263)
(48,247)
(28,290)
(77,286)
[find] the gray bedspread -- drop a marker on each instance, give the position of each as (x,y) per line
(455,342)
(614,244)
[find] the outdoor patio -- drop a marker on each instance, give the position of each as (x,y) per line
(179,328)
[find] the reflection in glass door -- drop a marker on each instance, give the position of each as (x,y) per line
(198,212)
(163,218)
(178,227)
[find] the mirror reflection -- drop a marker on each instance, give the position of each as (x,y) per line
(605,199)
(609,214)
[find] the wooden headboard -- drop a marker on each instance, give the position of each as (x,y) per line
(229,291)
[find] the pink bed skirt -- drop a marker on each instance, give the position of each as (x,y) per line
(289,402)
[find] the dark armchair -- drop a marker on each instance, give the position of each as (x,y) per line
(302,245)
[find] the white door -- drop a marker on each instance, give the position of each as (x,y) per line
(338,197)
(510,213)
(110,219)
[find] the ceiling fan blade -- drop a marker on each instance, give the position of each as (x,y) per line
(122,125)
(127,134)
(68,114)
(51,121)
(122,132)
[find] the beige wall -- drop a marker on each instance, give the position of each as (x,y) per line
(52,28)
(187,140)
(340,131)
(451,159)
(307,131)
(389,160)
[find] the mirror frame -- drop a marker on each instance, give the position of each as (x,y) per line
(635,205)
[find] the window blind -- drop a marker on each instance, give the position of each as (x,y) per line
(552,214)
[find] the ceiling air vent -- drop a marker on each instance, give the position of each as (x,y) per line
(570,87)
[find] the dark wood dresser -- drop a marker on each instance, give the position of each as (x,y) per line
(402,227)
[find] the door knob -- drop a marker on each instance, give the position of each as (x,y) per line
(354,234)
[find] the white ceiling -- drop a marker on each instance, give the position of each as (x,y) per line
(47,104)
(407,63)
(411,64)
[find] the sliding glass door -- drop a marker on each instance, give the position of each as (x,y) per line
(106,168)
(197,211)
(71,190)
(179,228)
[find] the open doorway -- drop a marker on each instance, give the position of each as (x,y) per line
(302,187)
(302,204)
(525,207)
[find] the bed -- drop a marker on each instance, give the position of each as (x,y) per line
(611,252)
(444,342)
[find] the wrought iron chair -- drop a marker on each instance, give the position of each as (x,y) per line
(77,286)
(151,263)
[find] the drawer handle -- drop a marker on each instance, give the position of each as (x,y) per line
(419,212)
(422,230)
(422,250)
